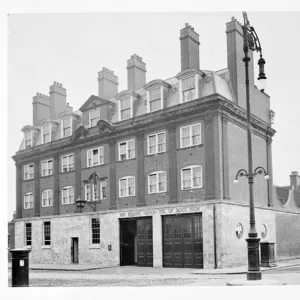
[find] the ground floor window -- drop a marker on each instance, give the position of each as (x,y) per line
(47,233)
(95,231)
(28,233)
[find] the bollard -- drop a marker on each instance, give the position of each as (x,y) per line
(19,267)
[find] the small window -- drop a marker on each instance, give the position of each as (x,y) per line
(68,195)
(190,135)
(94,116)
(28,139)
(28,172)
(47,233)
(47,198)
(95,231)
(188,89)
(66,127)
(28,233)
(157,182)
(157,143)
(28,200)
(95,157)
(126,150)
(46,134)
(47,166)
(125,109)
(191,177)
(155,99)
(67,163)
(127,186)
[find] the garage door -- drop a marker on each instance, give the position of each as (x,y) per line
(144,242)
(183,241)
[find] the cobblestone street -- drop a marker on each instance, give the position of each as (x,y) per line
(139,277)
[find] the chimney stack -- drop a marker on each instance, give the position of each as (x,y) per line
(107,84)
(136,73)
(57,99)
(236,66)
(41,108)
(295,181)
(189,45)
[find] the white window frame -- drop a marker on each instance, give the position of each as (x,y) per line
(192,182)
(31,201)
(47,169)
(70,201)
(90,120)
(62,127)
(127,151)
(126,178)
(157,182)
(161,98)
(44,241)
(68,165)
(190,135)
(100,157)
(42,133)
(31,175)
(49,200)
(131,108)
(102,183)
(25,147)
(196,76)
(156,143)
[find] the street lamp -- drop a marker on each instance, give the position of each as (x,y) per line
(251,42)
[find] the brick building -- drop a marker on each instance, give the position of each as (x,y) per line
(156,164)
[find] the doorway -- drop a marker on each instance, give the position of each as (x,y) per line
(128,247)
(74,250)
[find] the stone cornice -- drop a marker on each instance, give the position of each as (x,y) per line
(156,83)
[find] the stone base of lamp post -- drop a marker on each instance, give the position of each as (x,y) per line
(254,272)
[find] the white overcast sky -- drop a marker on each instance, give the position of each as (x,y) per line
(72,48)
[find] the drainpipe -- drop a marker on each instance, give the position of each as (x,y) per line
(215,237)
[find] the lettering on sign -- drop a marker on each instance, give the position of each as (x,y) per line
(160,211)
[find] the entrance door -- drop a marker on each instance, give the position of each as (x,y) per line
(144,242)
(127,242)
(74,250)
(182,241)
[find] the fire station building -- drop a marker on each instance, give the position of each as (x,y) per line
(155,164)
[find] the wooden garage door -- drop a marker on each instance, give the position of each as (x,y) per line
(144,242)
(182,241)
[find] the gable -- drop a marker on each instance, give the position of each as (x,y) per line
(94,102)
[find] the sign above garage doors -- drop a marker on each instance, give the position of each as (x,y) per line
(160,211)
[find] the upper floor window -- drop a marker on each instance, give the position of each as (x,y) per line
(157,143)
(68,195)
(191,177)
(46,133)
(125,109)
(28,200)
(47,167)
(157,182)
(66,125)
(96,192)
(95,230)
(67,163)
(126,150)
(127,186)
(28,139)
(95,157)
(188,89)
(47,198)
(47,233)
(94,116)
(190,135)
(155,99)
(28,172)
(28,233)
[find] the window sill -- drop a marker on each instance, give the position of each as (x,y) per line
(96,246)
(27,247)
(191,147)
(67,172)
(46,176)
(191,189)
(158,193)
(125,160)
(46,247)
(156,154)
(93,166)
(121,197)
(28,179)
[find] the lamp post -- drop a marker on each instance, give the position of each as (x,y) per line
(251,42)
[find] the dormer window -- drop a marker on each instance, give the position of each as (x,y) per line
(126,108)
(155,99)
(28,139)
(94,116)
(46,133)
(66,127)
(188,89)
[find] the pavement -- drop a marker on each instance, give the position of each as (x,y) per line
(234,270)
